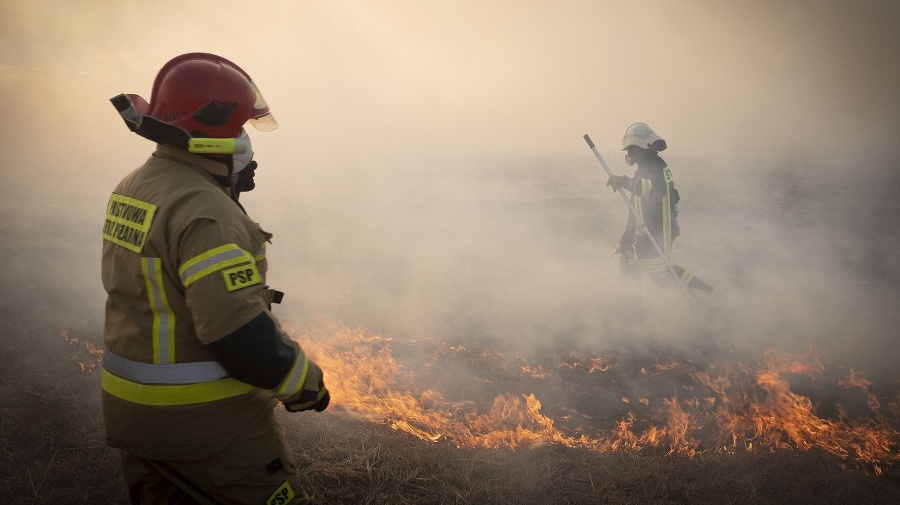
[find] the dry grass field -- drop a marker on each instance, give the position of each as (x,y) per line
(52,449)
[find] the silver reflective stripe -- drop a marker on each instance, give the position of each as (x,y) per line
(296,377)
(163,324)
(211,261)
(173,373)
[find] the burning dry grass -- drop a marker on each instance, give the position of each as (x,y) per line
(646,401)
(499,429)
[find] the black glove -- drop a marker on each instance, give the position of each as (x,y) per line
(617,182)
(309,399)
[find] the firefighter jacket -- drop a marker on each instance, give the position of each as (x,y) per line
(183,266)
(655,200)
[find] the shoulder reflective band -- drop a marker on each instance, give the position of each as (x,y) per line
(127,222)
(213,260)
(218,146)
(173,373)
(173,394)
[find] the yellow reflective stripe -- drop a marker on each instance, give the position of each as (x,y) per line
(215,259)
(168,395)
(163,316)
(638,208)
(261,254)
(652,265)
(296,378)
(667,221)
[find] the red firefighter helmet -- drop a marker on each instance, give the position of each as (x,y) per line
(206,96)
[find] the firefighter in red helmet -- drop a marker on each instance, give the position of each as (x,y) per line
(195,360)
(655,200)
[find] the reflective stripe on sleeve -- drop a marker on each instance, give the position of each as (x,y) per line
(211,261)
(163,317)
(170,394)
(261,254)
(296,378)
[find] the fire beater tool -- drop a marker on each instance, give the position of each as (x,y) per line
(637,218)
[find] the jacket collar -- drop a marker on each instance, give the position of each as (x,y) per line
(195,160)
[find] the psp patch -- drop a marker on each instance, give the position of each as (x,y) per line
(282,495)
(241,277)
(127,222)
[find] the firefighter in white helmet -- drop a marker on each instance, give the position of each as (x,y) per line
(195,360)
(655,200)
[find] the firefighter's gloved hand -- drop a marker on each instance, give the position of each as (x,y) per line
(310,400)
(314,395)
(617,182)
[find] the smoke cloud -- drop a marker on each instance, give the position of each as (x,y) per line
(429,176)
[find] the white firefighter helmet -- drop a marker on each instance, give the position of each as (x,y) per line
(641,135)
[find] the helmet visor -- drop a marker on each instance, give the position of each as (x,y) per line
(264,123)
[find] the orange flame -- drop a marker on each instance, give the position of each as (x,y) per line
(738,408)
(729,407)
(87,355)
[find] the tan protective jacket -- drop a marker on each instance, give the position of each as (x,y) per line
(183,266)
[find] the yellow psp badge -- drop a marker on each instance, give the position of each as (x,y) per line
(282,495)
(241,277)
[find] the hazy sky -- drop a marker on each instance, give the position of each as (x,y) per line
(377,80)
(429,171)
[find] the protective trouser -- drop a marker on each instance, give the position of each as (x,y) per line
(255,469)
(631,270)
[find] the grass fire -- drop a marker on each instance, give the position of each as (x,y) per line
(419,420)
(681,406)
